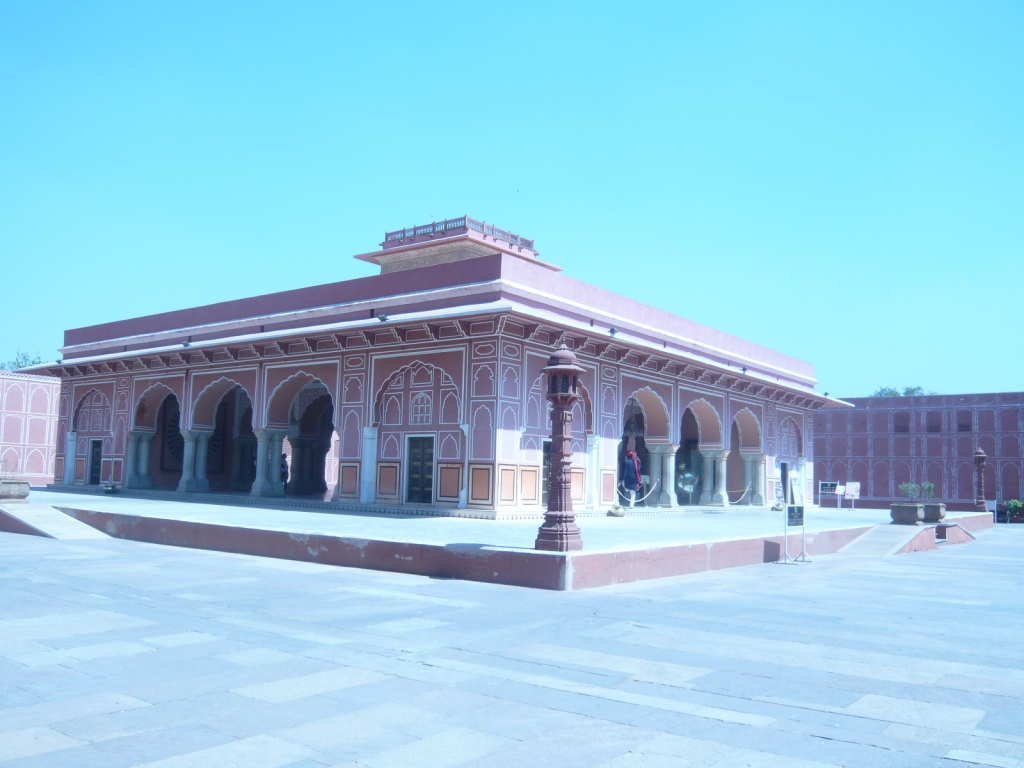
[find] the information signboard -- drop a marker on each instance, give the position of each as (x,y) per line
(827,489)
(795,515)
(853,490)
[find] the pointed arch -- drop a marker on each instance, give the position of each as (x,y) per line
(449,448)
(749,430)
(483,433)
(390,449)
(147,406)
(279,403)
(791,439)
(656,418)
(204,412)
(413,368)
(709,423)
(350,436)
(93,414)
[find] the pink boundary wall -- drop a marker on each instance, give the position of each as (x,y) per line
(523,568)
(886,441)
(28,426)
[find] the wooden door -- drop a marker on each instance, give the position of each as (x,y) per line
(419,487)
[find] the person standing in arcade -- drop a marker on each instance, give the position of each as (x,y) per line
(631,476)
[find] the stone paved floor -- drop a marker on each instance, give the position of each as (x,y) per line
(115,653)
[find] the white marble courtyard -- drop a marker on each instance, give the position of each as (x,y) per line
(115,653)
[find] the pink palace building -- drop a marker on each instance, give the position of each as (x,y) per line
(28,426)
(887,441)
(419,390)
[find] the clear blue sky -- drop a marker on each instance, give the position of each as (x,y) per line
(839,181)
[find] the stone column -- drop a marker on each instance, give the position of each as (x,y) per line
(202,483)
(707,477)
(757,492)
(593,472)
(654,472)
(236,461)
(188,463)
(720,496)
(668,478)
(336,495)
(748,479)
(559,533)
(274,463)
(368,467)
(142,460)
(979,463)
(70,446)
(131,476)
(261,485)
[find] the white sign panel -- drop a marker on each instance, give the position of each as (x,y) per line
(853,490)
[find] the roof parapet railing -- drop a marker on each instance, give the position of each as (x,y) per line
(449,225)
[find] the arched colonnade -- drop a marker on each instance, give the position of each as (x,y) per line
(220,451)
(705,464)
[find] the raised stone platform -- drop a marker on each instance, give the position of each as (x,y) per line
(616,550)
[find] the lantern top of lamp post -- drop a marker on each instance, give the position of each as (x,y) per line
(979,456)
(563,359)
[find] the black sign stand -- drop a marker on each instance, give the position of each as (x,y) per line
(795,517)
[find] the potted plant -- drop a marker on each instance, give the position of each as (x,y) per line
(909,512)
(934,511)
(1014,510)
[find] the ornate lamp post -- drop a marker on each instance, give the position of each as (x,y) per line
(559,533)
(979,464)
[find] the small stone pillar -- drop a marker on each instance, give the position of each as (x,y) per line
(979,465)
(142,460)
(261,485)
(188,463)
(201,483)
(667,498)
(559,533)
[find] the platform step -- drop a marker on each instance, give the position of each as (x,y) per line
(43,520)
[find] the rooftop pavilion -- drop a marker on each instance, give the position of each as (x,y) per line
(443,242)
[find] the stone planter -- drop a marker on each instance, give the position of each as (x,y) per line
(933,513)
(13,490)
(907,514)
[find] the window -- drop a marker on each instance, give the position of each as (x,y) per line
(420,409)
(901,422)
(963,421)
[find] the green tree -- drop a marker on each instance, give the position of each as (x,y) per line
(21,360)
(894,392)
